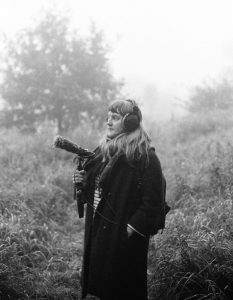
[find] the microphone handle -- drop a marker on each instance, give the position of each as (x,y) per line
(78,191)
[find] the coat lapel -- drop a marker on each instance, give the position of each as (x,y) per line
(107,173)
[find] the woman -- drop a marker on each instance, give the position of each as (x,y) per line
(123,187)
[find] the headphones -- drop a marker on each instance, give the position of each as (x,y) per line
(131,121)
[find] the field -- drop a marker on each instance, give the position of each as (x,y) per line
(41,235)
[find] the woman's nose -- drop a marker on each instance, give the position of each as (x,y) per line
(109,121)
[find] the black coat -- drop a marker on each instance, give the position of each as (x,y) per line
(115,266)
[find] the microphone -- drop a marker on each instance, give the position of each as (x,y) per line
(65,144)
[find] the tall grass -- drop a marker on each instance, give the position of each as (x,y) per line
(193,259)
(41,235)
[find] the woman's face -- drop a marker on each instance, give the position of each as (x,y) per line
(114,124)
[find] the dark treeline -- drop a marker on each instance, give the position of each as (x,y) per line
(52,73)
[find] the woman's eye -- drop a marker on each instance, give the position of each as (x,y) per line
(113,118)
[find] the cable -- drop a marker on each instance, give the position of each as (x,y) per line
(96,211)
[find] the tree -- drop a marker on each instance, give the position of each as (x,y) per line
(210,97)
(53,74)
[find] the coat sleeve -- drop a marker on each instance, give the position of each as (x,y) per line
(146,217)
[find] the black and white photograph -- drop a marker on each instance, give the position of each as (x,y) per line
(116,150)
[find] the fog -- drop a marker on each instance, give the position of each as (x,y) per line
(160,48)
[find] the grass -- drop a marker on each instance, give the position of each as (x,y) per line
(41,235)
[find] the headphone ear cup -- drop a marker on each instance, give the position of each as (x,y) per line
(130,122)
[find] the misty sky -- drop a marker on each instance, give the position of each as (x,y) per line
(161,48)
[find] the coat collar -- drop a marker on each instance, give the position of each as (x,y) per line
(95,164)
(107,173)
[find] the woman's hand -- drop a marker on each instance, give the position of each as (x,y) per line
(78,176)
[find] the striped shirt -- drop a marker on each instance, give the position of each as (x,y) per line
(97,193)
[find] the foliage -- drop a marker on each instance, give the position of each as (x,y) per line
(211,96)
(41,236)
(32,263)
(198,266)
(193,257)
(52,73)
(40,233)
(195,125)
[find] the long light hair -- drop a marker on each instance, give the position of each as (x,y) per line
(133,144)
